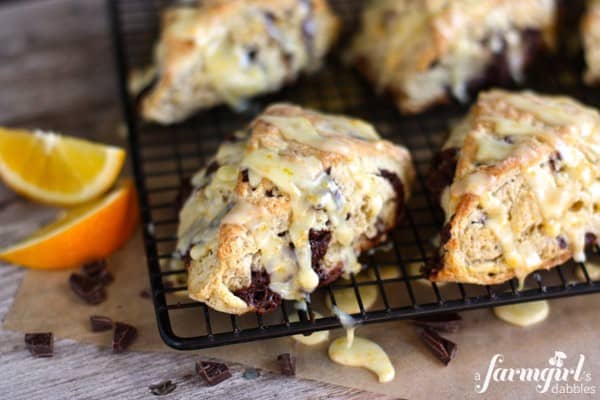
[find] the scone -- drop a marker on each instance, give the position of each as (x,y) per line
(426,52)
(225,51)
(590,31)
(286,206)
(522,188)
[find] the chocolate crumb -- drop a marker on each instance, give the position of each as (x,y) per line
(98,323)
(450,322)
(245,177)
(40,344)
(251,373)
(442,348)
(145,293)
(124,335)
(88,289)
(287,364)
(555,161)
(212,372)
(162,388)
(562,242)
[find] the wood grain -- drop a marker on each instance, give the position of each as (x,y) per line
(56,73)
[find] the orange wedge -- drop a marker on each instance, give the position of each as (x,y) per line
(58,170)
(89,232)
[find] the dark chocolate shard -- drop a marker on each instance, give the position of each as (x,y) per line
(449,322)
(162,388)
(287,364)
(40,344)
(88,289)
(212,372)
(99,323)
(258,295)
(442,348)
(123,337)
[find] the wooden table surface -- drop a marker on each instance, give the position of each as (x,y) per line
(56,73)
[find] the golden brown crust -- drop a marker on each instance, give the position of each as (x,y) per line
(424,51)
(525,191)
(296,202)
(228,51)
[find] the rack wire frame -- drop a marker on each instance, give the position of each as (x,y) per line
(164,157)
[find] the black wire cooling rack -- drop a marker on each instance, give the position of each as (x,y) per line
(164,157)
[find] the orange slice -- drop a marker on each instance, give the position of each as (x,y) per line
(89,232)
(55,169)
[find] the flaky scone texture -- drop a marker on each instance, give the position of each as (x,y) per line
(288,205)
(526,191)
(424,52)
(226,51)
(590,31)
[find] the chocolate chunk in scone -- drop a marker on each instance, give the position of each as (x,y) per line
(289,208)
(524,192)
(424,53)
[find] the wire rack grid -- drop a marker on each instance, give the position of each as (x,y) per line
(165,157)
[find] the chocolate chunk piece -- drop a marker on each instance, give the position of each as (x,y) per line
(442,348)
(562,242)
(450,322)
(88,289)
(145,294)
(98,323)
(40,344)
(96,270)
(212,372)
(442,171)
(287,364)
(258,295)
(124,335)
(162,388)
(319,242)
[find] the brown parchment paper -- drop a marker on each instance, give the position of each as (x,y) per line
(45,302)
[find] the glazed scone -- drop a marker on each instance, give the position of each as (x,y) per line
(590,32)
(426,52)
(523,176)
(286,206)
(226,51)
